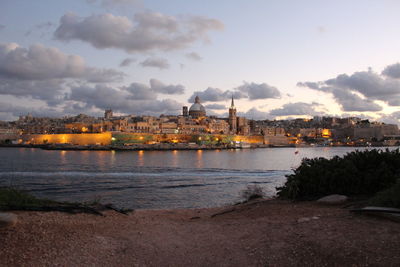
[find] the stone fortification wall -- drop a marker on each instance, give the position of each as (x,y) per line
(75,139)
(121,138)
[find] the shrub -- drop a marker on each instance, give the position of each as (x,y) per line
(252,192)
(388,198)
(356,173)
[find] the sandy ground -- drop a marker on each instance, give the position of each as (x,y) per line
(266,233)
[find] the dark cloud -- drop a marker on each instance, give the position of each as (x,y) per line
(209,95)
(126,62)
(161,88)
(154,62)
(194,56)
(141,91)
(148,31)
(216,106)
(50,91)
(11,112)
(353,102)
(252,91)
(43,63)
(44,73)
(392,71)
(123,101)
(357,92)
(298,108)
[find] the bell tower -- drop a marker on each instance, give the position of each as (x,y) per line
(232,118)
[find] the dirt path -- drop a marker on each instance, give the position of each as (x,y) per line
(263,234)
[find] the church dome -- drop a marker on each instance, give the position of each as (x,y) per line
(197,109)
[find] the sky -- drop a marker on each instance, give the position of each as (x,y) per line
(278,59)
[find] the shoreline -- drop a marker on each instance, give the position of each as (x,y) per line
(160,147)
(256,233)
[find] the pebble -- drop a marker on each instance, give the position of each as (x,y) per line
(333,199)
(7,219)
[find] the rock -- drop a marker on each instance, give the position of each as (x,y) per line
(7,219)
(305,219)
(333,199)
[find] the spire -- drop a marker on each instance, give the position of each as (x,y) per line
(197,100)
(232,103)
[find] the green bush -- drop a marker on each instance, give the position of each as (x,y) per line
(388,198)
(356,173)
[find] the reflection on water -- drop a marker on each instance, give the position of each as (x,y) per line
(140,157)
(152,179)
(199,159)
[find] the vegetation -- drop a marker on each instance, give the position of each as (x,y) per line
(14,199)
(388,198)
(252,192)
(359,173)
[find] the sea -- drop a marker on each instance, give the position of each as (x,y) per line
(154,179)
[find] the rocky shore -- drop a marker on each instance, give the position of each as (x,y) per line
(260,233)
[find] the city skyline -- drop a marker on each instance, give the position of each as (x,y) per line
(278,60)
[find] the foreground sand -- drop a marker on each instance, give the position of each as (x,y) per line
(266,233)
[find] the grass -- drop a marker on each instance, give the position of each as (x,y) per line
(15,199)
(12,198)
(388,198)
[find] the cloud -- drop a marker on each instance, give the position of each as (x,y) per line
(161,88)
(43,73)
(113,3)
(216,106)
(210,94)
(43,63)
(154,62)
(259,91)
(2,27)
(252,91)
(50,91)
(358,91)
(141,91)
(126,62)
(298,108)
(255,114)
(11,112)
(194,56)
(392,71)
(125,101)
(393,118)
(148,31)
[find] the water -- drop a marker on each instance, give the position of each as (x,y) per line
(152,179)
